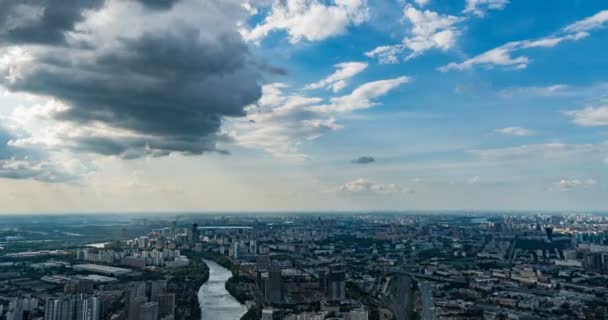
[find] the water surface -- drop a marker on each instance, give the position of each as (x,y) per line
(215,301)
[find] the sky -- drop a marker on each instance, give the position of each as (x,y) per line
(296,105)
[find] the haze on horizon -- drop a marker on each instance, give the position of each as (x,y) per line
(253,105)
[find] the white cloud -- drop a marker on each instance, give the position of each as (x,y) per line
(590,116)
(498,56)
(596,21)
(429,30)
(363,186)
(361,97)
(548,150)
(474,180)
(543,91)
(338,80)
(281,122)
(515,131)
(12,61)
(479,7)
(386,54)
(422,3)
(570,184)
(505,55)
(592,92)
(310,20)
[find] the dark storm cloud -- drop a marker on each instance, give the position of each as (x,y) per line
(47,21)
(170,88)
(41,21)
(135,147)
(169,84)
(159,4)
(39,171)
(364,160)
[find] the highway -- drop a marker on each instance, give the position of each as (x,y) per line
(426,298)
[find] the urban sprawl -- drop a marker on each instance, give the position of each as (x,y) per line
(315,267)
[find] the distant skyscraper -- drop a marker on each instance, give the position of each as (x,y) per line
(194,233)
(60,309)
(335,283)
(275,284)
(595,262)
(157,288)
(135,307)
(166,304)
(263,283)
(74,307)
(148,311)
(15,315)
(253,247)
(236,249)
(88,308)
(137,289)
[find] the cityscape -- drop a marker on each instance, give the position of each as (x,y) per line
(355,266)
(303,160)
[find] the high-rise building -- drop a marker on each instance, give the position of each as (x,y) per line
(335,289)
(173,227)
(25,304)
(15,315)
(253,247)
(194,233)
(148,311)
(166,304)
(275,284)
(107,301)
(236,249)
(88,308)
(60,309)
(263,283)
(157,288)
(594,262)
(73,307)
(135,307)
(136,290)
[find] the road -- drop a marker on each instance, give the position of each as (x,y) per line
(426,299)
(399,304)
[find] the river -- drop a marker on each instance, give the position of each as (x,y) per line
(215,301)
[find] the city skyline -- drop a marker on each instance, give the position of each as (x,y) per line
(297,105)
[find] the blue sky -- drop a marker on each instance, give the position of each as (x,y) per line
(469,104)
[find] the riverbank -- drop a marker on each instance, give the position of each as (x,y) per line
(187,281)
